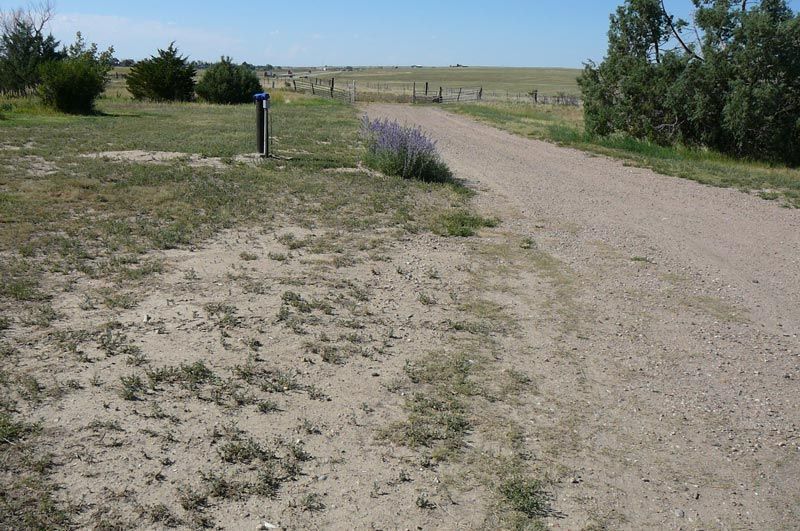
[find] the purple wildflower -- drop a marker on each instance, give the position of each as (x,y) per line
(404,151)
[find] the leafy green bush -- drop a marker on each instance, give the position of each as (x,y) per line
(735,89)
(73,84)
(224,82)
(163,77)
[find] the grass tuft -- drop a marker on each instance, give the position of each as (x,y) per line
(462,223)
(526,496)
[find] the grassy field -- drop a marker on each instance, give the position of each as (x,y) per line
(497,83)
(564,125)
(548,81)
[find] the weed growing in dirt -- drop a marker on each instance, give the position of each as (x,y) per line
(189,376)
(243,451)
(311,502)
(131,387)
(28,497)
(114,342)
(461,223)
(224,314)
(161,514)
(526,496)
(427,300)
(424,503)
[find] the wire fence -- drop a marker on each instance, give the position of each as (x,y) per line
(447,95)
(325,88)
(351,92)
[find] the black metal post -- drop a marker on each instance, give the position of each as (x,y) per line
(260,126)
(262,123)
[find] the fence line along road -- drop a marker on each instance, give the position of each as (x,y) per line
(421,92)
(324,88)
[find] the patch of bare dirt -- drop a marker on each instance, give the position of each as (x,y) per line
(248,383)
(165,157)
(660,318)
(37,166)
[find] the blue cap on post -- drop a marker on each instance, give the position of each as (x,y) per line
(261,96)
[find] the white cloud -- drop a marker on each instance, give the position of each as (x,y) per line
(140,38)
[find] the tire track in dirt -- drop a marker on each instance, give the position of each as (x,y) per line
(667,388)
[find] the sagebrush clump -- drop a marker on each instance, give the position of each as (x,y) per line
(403,151)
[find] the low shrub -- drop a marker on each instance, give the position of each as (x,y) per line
(403,151)
(227,83)
(74,83)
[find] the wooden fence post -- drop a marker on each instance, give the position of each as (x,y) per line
(440,94)
(480,94)
(414,93)
(354,91)
(426,88)
(332,83)
(294,82)
(459,94)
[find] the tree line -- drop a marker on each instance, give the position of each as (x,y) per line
(729,81)
(71,78)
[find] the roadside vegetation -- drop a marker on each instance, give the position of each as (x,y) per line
(406,152)
(564,125)
(718,105)
(730,81)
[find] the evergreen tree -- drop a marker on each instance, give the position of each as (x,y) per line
(24,47)
(736,89)
(224,82)
(163,77)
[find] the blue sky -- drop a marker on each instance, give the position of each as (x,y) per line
(497,33)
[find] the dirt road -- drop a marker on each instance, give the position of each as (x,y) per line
(666,353)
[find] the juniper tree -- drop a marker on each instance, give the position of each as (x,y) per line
(734,87)
(24,47)
(166,76)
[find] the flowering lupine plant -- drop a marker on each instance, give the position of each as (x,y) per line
(404,151)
